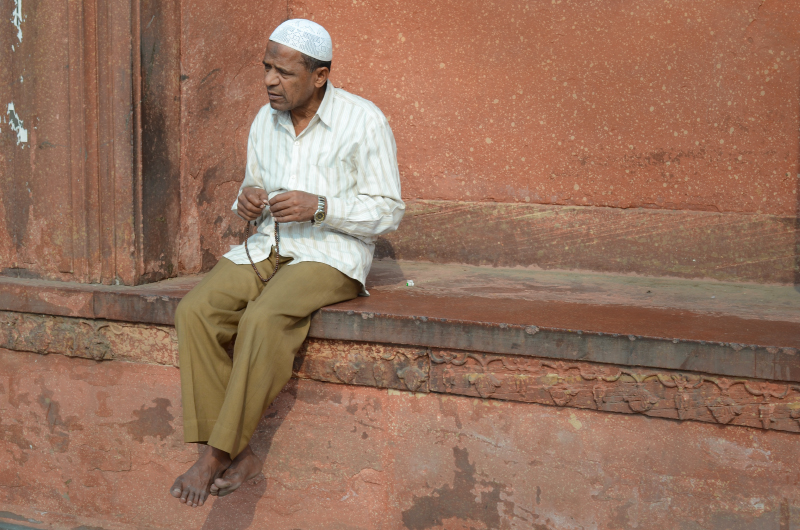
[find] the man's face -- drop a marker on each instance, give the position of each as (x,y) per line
(289,83)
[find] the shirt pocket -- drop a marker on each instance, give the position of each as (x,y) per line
(337,180)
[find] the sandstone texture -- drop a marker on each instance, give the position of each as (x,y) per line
(97,445)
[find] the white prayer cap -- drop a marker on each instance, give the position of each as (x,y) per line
(306,37)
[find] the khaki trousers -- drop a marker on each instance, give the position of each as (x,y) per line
(224,399)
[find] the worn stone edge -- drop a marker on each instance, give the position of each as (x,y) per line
(720,358)
(149,306)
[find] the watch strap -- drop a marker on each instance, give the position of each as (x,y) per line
(319,215)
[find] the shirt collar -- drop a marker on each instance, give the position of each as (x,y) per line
(325,110)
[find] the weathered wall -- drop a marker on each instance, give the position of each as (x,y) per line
(674,105)
(97,445)
(221,92)
(137,114)
(90,154)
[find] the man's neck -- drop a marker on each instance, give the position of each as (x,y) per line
(301,116)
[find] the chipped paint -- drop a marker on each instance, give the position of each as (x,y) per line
(16,19)
(575,422)
(17,125)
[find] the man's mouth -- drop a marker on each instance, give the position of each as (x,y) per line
(274,97)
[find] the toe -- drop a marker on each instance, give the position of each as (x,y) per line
(175,491)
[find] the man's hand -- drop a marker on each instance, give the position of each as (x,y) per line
(251,203)
(296,206)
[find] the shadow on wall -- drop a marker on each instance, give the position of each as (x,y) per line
(797,198)
(236,512)
(389,271)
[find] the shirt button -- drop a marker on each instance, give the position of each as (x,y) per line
(297,142)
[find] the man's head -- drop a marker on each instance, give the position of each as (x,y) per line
(297,63)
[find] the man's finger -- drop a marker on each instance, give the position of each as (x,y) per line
(260,197)
(255,196)
(286,214)
(283,197)
(280,205)
(256,200)
(250,207)
(249,214)
(246,205)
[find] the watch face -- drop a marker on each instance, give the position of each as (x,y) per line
(319,216)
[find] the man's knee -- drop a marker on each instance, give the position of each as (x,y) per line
(266,314)
(258,316)
(189,310)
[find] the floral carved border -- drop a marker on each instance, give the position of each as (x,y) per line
(658,393)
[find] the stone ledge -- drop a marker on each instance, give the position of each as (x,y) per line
(720,344)
(654,242)
(673,394)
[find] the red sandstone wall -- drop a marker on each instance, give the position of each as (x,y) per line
(662,105)
(97,445)
(673,105)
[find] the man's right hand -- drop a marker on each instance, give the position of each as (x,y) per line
(251,203)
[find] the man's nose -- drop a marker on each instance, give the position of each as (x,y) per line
(270,79)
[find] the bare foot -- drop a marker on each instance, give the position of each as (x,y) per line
(244,467)
(192,487)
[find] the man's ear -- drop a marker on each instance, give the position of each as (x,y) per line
(321,78)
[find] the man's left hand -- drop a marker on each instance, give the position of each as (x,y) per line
(294,206)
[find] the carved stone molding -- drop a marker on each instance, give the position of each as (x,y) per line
(603,387)
(664,394)
(101,340)
(368,364)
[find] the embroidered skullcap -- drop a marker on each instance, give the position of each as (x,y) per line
(306,37)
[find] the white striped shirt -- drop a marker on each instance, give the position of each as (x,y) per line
(346,153)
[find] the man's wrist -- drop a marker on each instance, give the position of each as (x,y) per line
(322,211)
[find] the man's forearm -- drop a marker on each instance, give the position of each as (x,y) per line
(364,215)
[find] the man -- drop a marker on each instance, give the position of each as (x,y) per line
(322,172)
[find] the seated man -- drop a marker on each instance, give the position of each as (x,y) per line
(322,163)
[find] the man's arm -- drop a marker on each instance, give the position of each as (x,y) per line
(377,208)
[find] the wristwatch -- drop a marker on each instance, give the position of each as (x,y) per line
(319,215)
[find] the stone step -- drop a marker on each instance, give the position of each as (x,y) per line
(730,329)
(704,351)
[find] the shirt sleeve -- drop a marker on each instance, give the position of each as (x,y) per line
(377,207)
(253,177)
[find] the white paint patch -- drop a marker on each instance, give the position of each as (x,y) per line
(17,125)
(16,19)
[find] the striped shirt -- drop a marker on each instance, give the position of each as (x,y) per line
(346,153)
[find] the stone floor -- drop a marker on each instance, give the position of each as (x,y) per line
(96,445)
